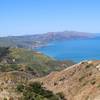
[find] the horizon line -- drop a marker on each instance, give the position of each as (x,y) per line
(29,34)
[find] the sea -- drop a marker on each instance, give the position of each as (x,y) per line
(75,50)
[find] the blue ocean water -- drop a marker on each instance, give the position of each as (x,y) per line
(76,50)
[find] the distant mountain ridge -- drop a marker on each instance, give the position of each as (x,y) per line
(67,35)
(31,41)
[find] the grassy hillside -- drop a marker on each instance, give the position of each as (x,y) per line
(30,61)
(18,66)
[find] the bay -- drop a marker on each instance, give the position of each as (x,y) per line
(76,50)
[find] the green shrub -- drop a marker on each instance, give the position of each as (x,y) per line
(35,91)
(20,87)
(4,51)
(5,99)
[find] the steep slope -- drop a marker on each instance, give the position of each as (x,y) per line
(14,86)
(32,62)
(78,82)
(18,66)
(9,82)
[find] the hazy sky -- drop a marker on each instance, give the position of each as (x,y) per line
(18,17)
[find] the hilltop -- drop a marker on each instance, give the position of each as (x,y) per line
(78,82)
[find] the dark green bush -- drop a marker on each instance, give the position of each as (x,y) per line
(5,99)
(20,87)
(4,51)
(35,91)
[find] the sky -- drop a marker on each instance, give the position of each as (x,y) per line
(21,17)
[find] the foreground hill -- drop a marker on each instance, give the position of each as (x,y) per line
(78,82)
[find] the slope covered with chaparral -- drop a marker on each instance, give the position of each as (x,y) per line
(78,82)
(18,66)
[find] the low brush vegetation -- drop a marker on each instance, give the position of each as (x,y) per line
(20,69)
(35,91)
(18,66)
(12,59)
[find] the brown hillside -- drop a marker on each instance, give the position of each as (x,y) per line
(78,82)
(8,83)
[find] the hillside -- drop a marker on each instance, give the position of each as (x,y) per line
(21,71)
(30,75)
(78,82)
(36,63)
(18,66)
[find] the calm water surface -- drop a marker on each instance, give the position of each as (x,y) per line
(76,50)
